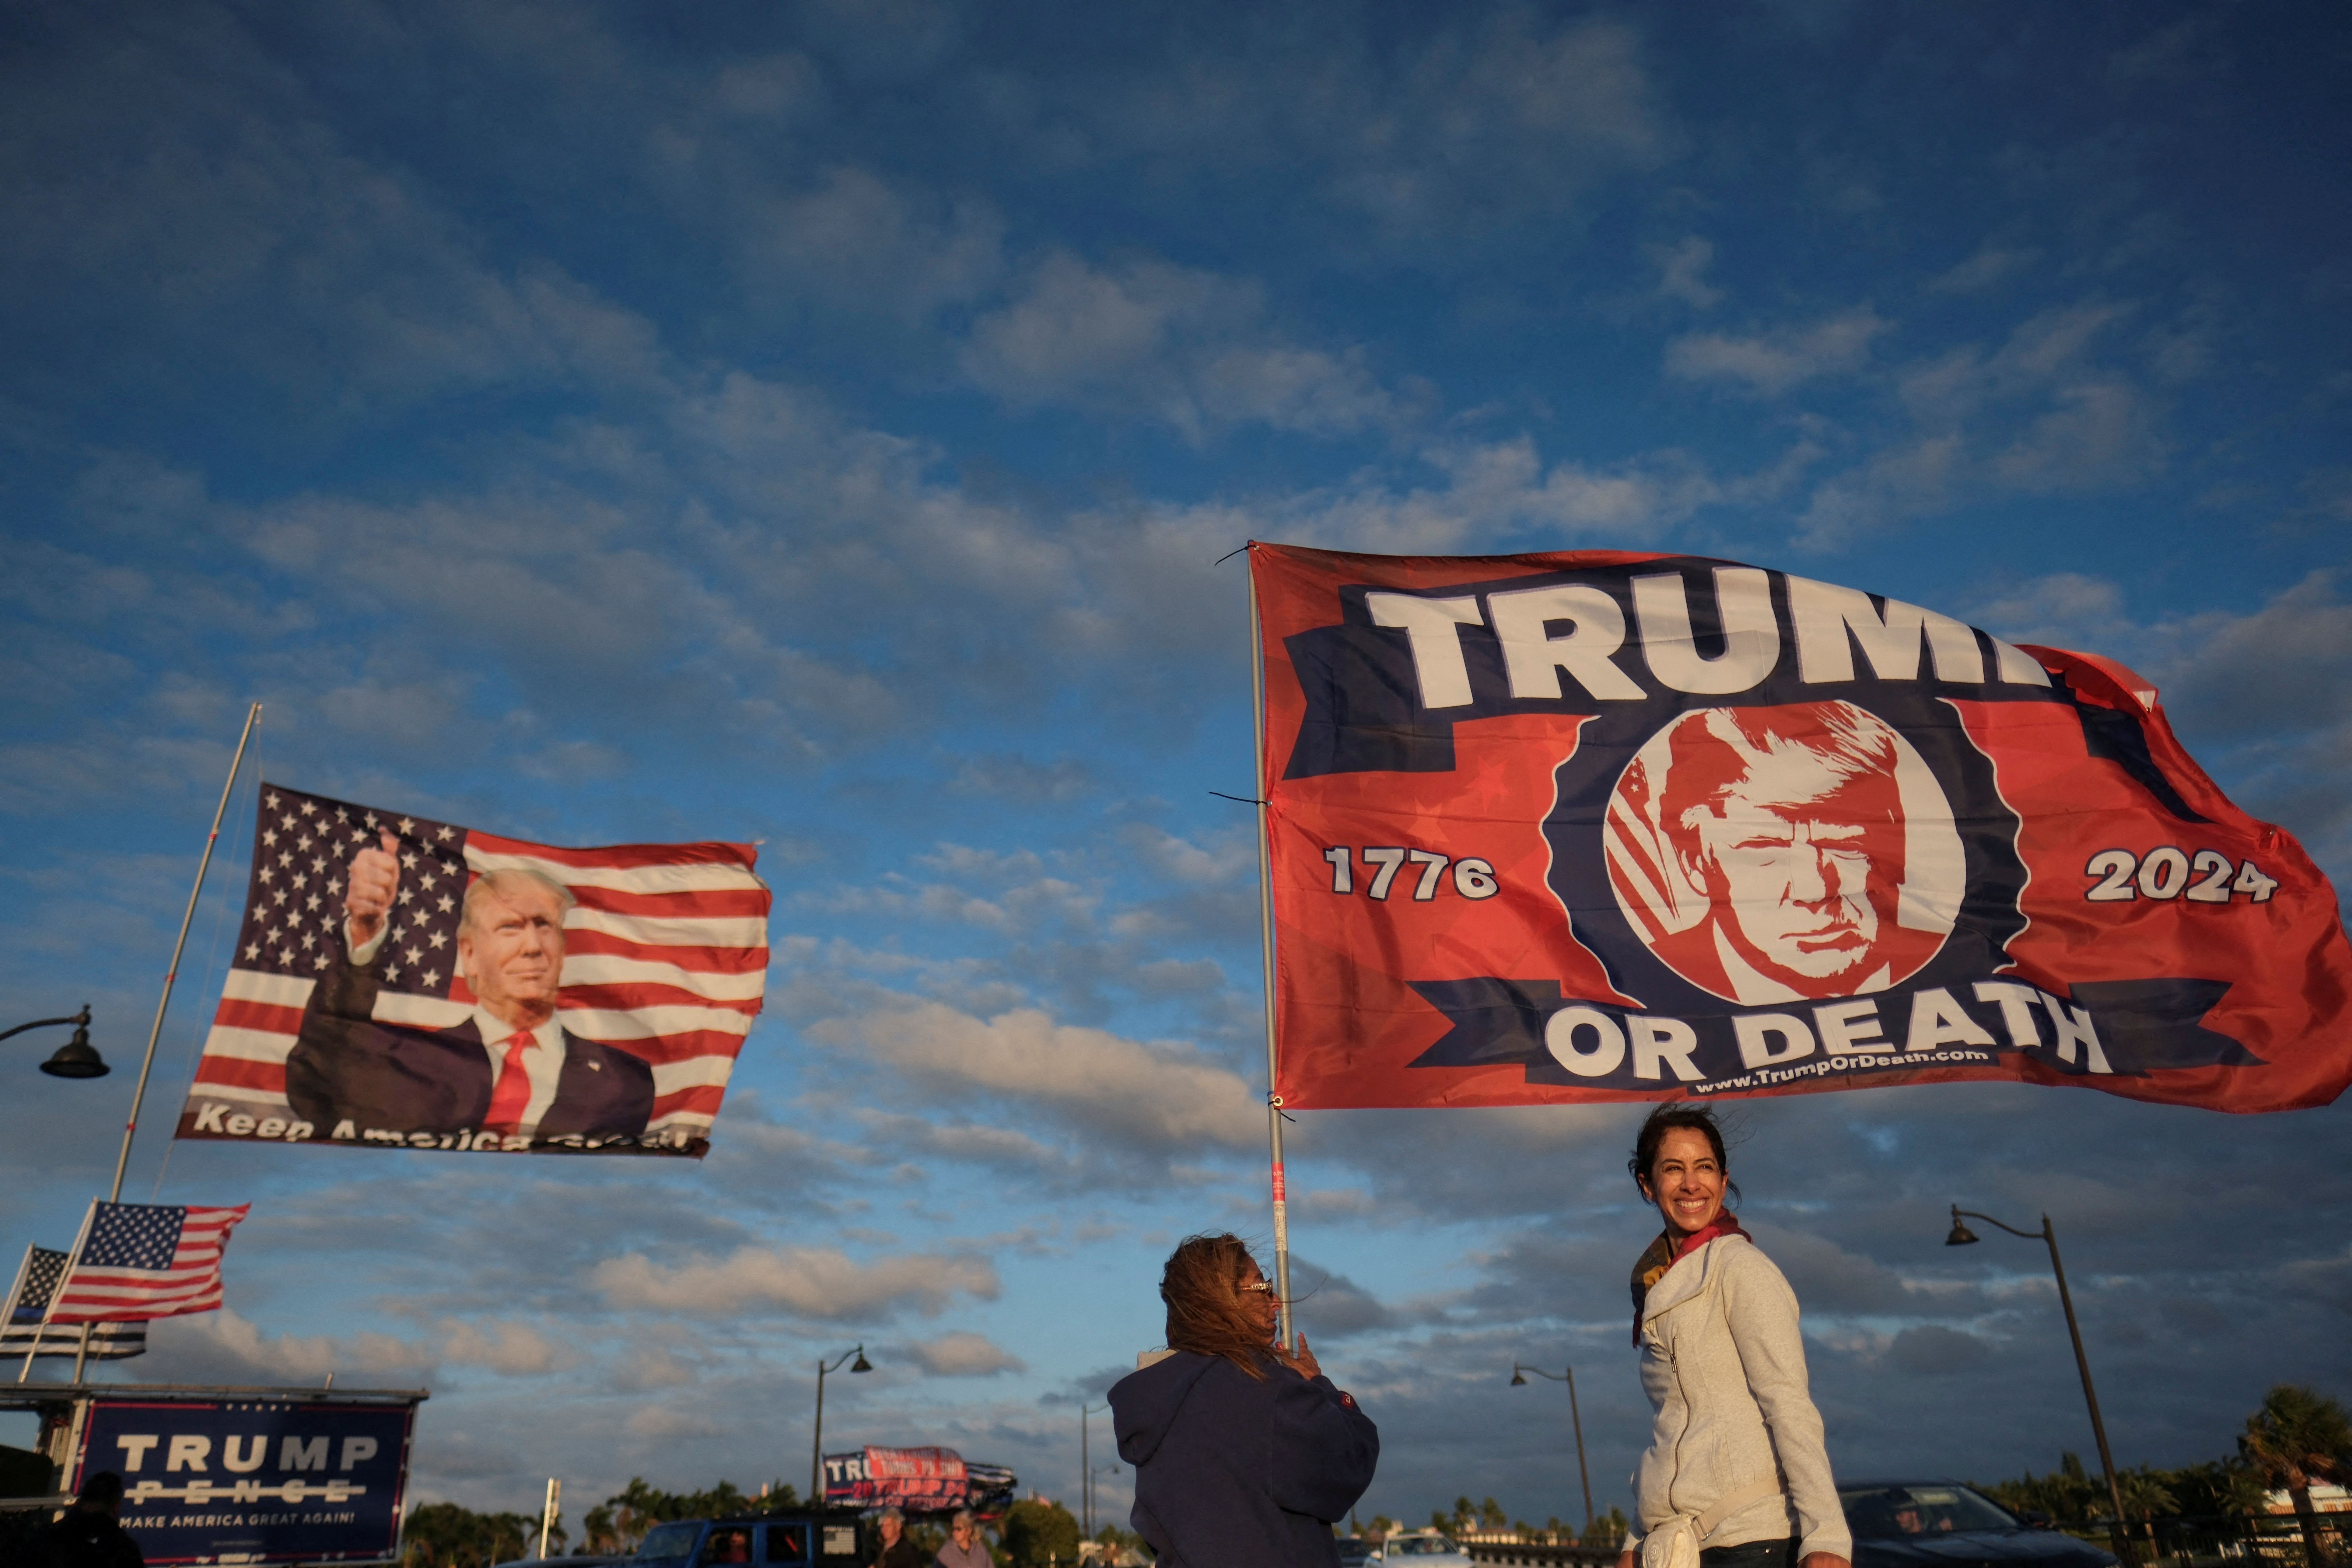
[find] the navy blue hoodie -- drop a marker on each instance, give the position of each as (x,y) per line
(1234,1473)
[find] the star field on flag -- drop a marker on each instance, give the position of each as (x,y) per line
(146,1260)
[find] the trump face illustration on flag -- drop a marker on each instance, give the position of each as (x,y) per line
(1561,828)
(1764,853)
(509,1070)
(405,983)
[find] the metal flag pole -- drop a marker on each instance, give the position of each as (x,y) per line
(131,1128)
(1265,942)
(16,1294)
(41,1329)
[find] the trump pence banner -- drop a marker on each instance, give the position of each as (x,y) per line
(920,1480)
(402,983)
(253,1479)
(1607,826)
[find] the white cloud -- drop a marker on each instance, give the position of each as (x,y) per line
(1495,119)
(1491,491)
(225,1341)
(1230,859)
(2038,415)
(856,239)
(965,1354)
(1185,346)
(507,1347)
(1472,122)
(1682,272)
(2100,434)
(815,1282)
(1990,264)
(1160,1097)
(1772,362)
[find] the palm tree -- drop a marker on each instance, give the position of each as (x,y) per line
(2297,1438)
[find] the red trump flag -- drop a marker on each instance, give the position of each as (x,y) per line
(402,983)
(1608,825)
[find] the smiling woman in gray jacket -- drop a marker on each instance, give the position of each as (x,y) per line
(1736,1455)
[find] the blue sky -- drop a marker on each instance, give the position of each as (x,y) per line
(817,423)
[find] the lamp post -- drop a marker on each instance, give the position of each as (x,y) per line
(816,1444)
(1567,1376)
(1962,1236)
(77,1057)
(1085,1470)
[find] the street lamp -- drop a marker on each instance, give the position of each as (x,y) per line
(1098,1470)
(816,1444)
(1085,1469)
(77,1057)
(1962,1236)
(1518,1380)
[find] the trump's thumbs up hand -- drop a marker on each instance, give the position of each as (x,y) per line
(374,886)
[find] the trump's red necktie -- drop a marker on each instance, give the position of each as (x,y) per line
(512,1095)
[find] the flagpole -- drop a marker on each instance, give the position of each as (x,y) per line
(41,1329)
(1266,945)
(16,1294)
(131,1128)
(122,1163)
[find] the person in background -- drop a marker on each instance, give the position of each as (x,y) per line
(964,1548)
(1736,1452)
(88,1536)
(897,1552)
(1244,1453)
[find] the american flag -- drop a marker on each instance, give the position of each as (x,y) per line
(145,1260)
(36,1281)
(666,957)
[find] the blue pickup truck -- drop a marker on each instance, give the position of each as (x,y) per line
(801,1541)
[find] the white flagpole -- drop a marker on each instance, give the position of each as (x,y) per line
(252,717)
(131,1128)
(16,1294)
(1265,944)
(41,1329)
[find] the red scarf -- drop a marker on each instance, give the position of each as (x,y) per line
(1665,1252)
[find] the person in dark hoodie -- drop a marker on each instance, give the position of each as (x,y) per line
(1244,1453)
(88,1536)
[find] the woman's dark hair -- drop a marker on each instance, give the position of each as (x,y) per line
(1204,1311)
(1664,1120)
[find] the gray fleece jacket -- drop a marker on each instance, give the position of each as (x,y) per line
(1723,1366)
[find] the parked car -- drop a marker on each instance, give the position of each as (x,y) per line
(1354,1551)
(1422,1549)
(1943,1524)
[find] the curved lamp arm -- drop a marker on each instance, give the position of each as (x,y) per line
(81,1018)
(1960,1237)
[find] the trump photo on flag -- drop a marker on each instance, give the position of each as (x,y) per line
(414,983)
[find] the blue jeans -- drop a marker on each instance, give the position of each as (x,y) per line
(1751,1554)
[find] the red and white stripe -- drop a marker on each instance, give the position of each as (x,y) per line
(192,1283)
(665,956)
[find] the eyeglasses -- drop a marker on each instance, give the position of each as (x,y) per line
(1256,1285)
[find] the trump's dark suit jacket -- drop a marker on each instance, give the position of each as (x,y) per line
(345,1066)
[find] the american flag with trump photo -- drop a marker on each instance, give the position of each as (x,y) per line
(402,982)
